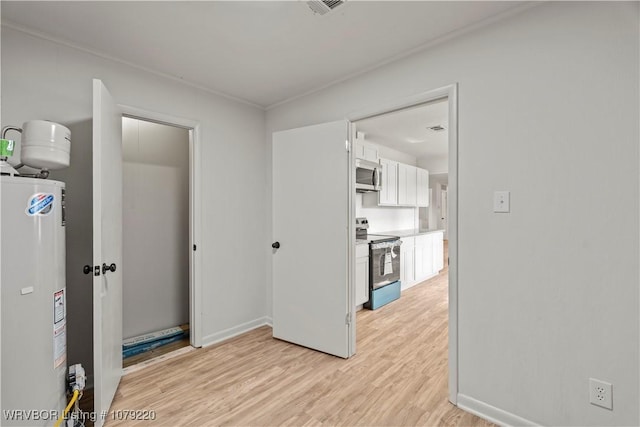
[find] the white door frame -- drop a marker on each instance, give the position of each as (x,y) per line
(444,214)
(195,209)
(450,92)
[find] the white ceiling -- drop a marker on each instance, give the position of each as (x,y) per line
(406,130)
(263,52)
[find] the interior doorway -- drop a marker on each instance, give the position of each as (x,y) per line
(156,239)
(410,148)
(405,151)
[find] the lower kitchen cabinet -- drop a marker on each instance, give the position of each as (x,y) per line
(362,274)
(407,268)
(424,256)
(438,251)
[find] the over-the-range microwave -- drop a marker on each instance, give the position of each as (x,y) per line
(368,176)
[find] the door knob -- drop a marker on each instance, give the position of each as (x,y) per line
(275,245)
(111,268)
(86,269)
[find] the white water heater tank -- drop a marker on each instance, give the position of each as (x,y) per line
(45,145)
(33,300)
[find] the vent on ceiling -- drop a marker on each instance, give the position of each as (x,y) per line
(322,7)
(436,128)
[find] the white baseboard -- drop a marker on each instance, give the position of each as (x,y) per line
(235,331)
(491,413)
(269,321)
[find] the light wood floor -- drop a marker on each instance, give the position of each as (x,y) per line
(397,378)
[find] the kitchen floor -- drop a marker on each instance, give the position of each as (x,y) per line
(397,378)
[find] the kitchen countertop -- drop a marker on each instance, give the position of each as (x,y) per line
(410,232)
(400,233)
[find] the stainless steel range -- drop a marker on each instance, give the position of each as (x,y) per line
(384,265)
(384,260)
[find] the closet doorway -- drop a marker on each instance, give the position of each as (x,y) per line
(156,243)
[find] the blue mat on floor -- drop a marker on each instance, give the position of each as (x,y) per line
(147,346)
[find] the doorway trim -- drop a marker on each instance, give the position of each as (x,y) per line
(195,209)
(451,93)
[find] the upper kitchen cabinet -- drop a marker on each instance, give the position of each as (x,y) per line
(365,151)
(422,190)
(407,185)
(403,185)
(388,194)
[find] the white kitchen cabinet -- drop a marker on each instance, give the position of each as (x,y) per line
(366,152)
(403,185)
(362,274)
(407,181)
(370,153)
(424,265)
(359,150)
(407,268)
(388,194)
(422,189)
(438,251)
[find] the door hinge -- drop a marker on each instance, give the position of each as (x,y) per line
(347,146)
(347,319)
(194,247)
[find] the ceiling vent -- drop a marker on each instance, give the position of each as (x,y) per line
(437,128)
(322,7)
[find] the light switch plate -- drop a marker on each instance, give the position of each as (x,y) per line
(501,202)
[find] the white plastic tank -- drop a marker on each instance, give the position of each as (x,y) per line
(33,298)
(45,145)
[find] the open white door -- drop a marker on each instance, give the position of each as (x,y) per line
(107,249)
(312,302)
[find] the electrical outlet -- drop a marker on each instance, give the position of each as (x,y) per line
(600,393)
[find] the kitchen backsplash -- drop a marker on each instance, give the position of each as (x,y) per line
(385,218)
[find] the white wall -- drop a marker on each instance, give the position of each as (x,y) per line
(155,226)
(392,154)
(548,294)
(42,79)
(383,218)
(435,165)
